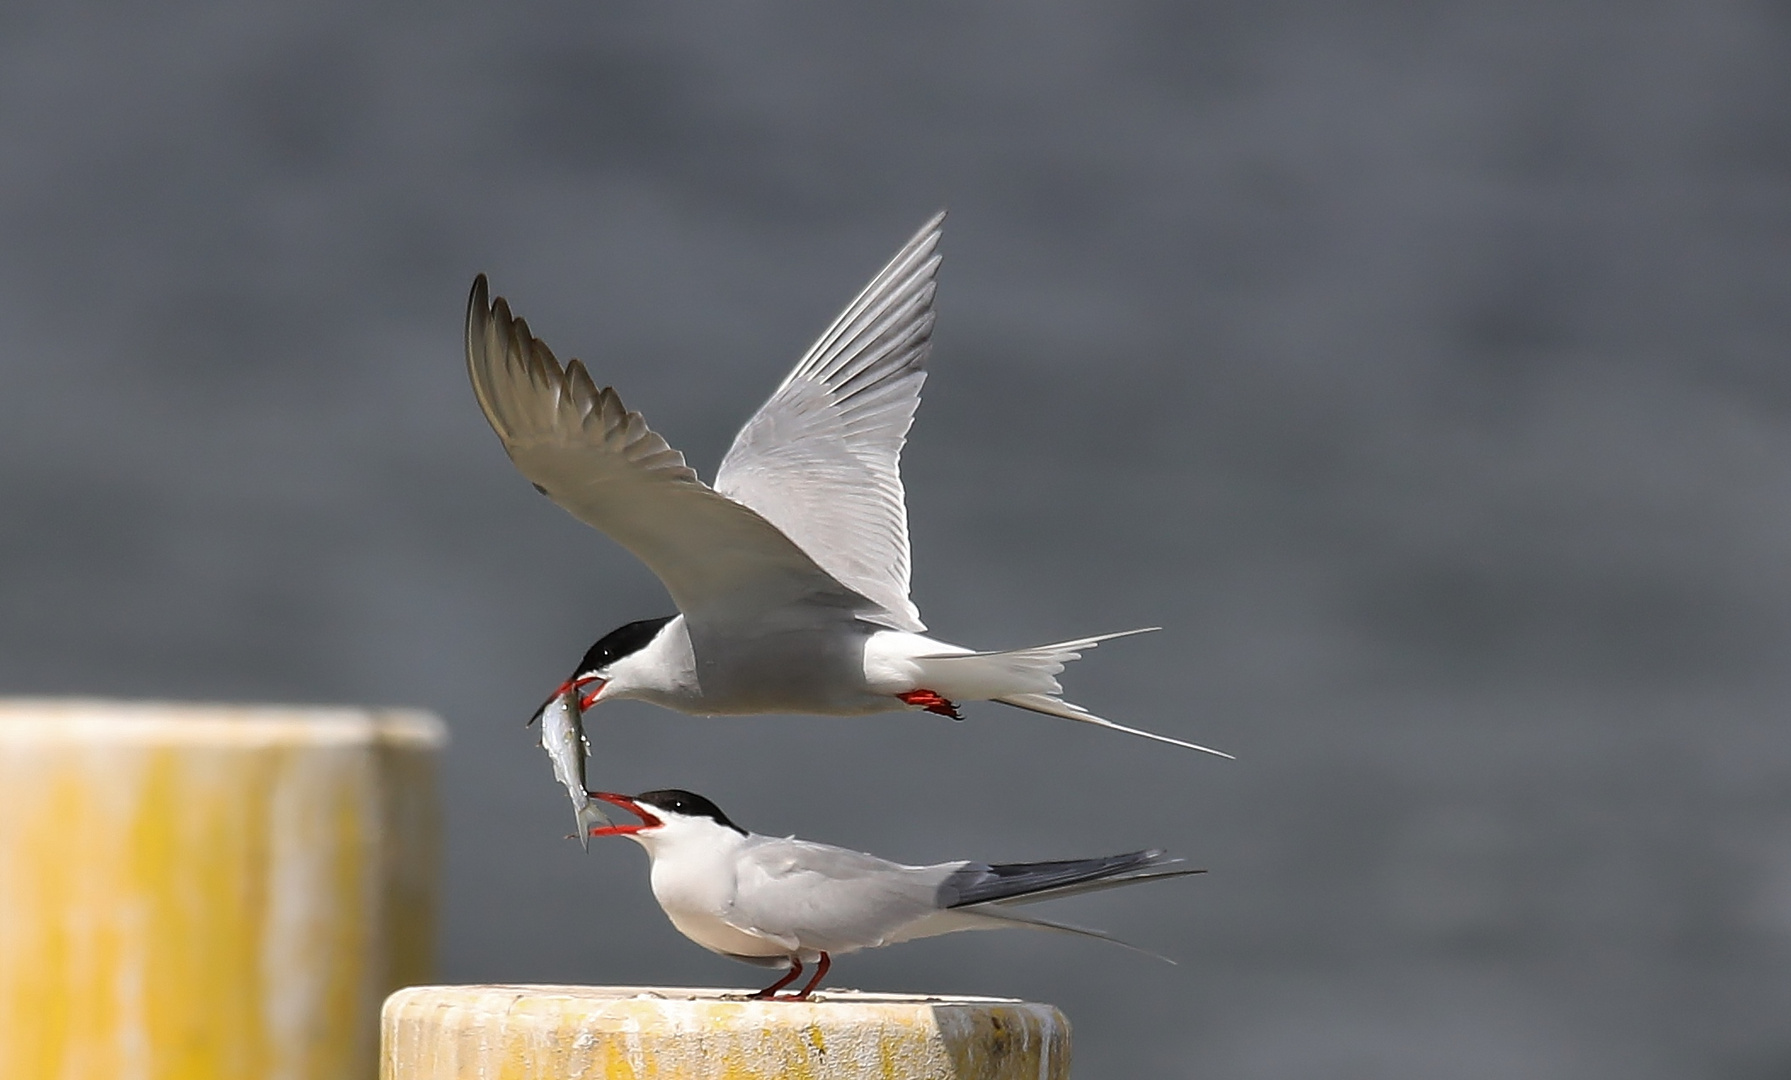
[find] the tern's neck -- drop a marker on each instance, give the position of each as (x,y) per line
(693,865)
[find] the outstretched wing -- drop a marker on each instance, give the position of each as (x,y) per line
(821,459)
(582,448)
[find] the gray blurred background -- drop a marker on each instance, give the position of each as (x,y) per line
(1421,367)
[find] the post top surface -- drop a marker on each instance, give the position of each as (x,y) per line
(654,996)
(536,1032)
(57,720)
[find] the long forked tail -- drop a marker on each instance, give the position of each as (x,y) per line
(1025,679)
(1051,705)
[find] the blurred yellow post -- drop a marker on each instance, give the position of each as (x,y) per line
(648,1033)
(209,892)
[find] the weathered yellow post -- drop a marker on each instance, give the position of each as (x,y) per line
(209,892)
(648,1033)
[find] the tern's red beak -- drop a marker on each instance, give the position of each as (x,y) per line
(568,687)
(648,821)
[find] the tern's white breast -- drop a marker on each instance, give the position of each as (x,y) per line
(694,880)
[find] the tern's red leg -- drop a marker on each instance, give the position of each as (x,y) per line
(815,979)
(770,992)
(931,702)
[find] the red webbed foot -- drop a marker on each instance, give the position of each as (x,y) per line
(931,702)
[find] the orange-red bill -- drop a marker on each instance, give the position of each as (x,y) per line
(648,821)
(568,687)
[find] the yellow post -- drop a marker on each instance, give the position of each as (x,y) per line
(209,892)
(649,1033)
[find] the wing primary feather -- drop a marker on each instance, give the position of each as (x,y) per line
(980,884)
(920,246)
(850,356)
(1080,888)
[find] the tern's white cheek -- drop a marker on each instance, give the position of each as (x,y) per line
(664,670)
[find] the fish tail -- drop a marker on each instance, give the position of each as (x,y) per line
(589,816)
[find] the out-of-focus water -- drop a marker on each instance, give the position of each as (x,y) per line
(1422,368)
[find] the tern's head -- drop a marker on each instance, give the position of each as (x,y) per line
(670,816)
(608,667)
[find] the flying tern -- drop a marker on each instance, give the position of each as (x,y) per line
(784,902)
(790,574)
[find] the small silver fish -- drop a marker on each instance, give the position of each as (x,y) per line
(563,737)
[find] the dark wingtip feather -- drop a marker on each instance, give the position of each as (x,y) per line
(979,884)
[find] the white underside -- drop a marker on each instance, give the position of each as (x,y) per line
(717,936)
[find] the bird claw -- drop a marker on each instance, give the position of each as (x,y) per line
(932,702)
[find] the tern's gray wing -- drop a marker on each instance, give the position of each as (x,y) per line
(585,450)
(821,459)
(828,898)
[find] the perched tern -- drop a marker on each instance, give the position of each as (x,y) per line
(790,575)
(779,902)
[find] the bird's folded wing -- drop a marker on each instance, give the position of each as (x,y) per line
(829,897)
(821,459)
(582,448)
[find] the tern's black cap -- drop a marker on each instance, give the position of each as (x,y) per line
(688,803)
(619,643)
